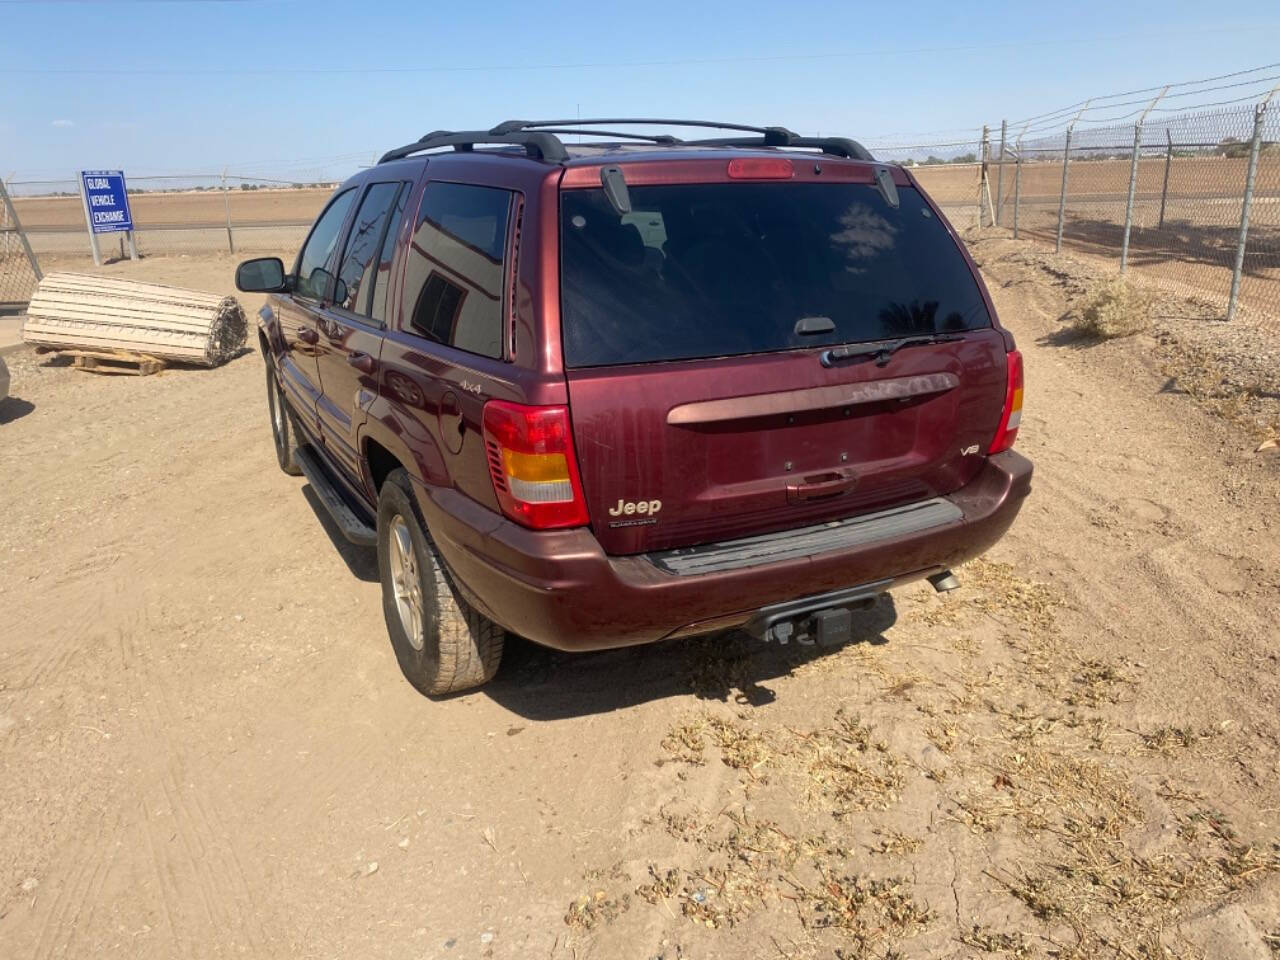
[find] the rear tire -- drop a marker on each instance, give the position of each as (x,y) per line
(442,643)
(282,429)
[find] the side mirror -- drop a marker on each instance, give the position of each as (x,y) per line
(263,275)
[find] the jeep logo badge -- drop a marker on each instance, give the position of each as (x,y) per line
(630,507)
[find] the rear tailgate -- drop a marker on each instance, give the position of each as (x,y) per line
(696,332)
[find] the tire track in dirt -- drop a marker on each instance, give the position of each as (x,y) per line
(203,860)
(79,894)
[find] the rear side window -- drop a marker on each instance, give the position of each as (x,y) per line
(454,275)
(382,278)
(359,265)
(709,270)
(312,273)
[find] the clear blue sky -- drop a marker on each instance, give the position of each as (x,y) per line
(253,85)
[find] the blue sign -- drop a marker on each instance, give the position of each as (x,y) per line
(106,201)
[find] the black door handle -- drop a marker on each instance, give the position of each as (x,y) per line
(361,361)
(307,335)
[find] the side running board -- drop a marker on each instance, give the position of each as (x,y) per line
(353,526)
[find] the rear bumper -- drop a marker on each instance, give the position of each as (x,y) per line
(560,589)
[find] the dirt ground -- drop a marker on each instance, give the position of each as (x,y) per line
(208,750)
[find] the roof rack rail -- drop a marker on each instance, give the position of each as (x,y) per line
(537,144)
(770,136)
(541,138)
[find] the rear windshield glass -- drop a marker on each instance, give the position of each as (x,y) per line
(709,270)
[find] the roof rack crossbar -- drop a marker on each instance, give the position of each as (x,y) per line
(832,146)
(776,135)
(537,144)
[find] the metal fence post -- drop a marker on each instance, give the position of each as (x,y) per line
(1259,113)
(1004,130)
(1062,197)
(1017,187)
(1133,188)
(1066,161)
(1168,161)
(1133,178)
(226,203)
(982,171)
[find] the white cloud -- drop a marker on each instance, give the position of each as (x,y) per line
(62,123)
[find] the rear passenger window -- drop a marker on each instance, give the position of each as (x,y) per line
(454,278)
(358,264)
(382,280)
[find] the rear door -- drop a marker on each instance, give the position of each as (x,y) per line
(299,310)
(718,339)
(350,326)
(445,355)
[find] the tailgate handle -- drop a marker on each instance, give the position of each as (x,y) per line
(820,485)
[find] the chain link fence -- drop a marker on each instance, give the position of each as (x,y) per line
(1191,199)
(176,215)
(19,269)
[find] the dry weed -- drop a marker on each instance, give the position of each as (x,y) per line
(1010,944)
(686,742)
(848,770)
(1010,598)
(1096,682)
(1115,307)
(1168,738)
(597,907)
(866,909)
(895,843)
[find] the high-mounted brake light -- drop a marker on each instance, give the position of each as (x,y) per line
(1012,416)
(760,168)
(533,465)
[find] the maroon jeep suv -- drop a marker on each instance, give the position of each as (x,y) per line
(634,387)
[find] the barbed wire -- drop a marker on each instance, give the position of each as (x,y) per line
(1103,100)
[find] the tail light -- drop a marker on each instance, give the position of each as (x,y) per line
(533,466)
(1012,416)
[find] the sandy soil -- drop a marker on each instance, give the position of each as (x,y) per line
(208,750)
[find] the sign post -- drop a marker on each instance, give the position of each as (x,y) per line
(106,208)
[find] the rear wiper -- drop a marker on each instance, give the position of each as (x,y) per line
(884,351)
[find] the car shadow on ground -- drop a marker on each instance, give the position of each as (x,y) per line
(1068,336)
(542,684)
(361,561)
(14,408)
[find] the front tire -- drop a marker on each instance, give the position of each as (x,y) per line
(442,643)
(282,429)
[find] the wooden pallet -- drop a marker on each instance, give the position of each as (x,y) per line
(114,362)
